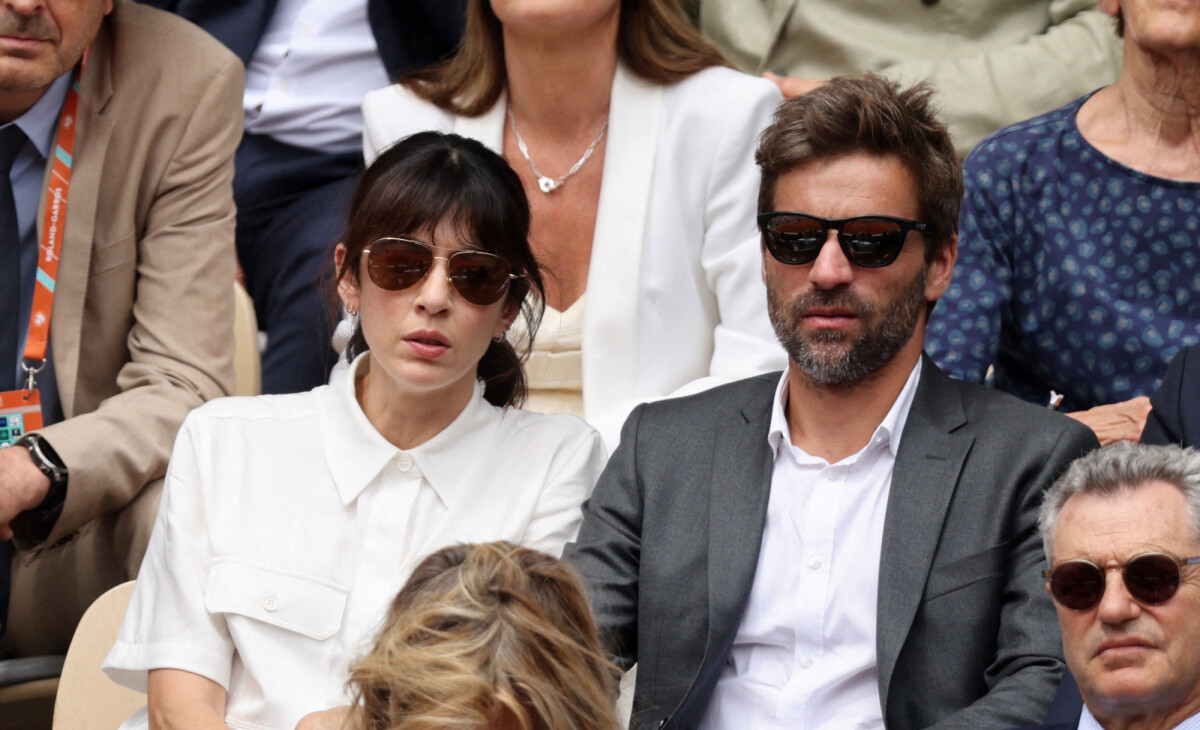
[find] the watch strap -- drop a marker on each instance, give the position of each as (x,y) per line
(33,526)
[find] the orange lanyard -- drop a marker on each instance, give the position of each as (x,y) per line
(58,187)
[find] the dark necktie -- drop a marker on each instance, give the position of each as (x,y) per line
(11,141)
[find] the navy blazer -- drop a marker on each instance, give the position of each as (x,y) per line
(1175,418)
(410,33)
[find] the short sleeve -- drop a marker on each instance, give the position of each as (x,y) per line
(569,482)
(167,624)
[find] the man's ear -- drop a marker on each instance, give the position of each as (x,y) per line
(941,270)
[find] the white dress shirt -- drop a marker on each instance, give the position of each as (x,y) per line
(804,654)
(288,524)
(1088,722)
(306,79)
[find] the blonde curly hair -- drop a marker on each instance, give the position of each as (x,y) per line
(487,636)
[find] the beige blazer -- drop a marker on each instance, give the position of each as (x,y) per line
(141,330)
(142,319)
(993,62)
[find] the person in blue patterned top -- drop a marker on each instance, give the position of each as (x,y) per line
(1079,261)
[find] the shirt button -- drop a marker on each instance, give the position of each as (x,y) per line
(815,563)
(404,462)
(806,660)
(271,603)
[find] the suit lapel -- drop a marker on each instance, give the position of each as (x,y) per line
(781,10)
(614,272)
(92,134)
(926,473)
(741,485)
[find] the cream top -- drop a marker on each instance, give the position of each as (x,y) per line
(554,371)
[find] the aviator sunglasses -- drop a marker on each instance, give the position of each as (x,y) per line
(478,276)
(1151,578)
(870,241)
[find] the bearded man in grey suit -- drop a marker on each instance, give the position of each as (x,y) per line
(852,543)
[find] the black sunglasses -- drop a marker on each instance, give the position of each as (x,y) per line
(478,276)
(1151,578)
(870,241)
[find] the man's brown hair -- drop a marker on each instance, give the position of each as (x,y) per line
(870,114)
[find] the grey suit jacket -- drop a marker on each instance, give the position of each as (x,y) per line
(966,634)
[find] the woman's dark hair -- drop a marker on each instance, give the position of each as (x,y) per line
(432,178)
(655,40)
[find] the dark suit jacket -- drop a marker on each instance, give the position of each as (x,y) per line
(1176,415)
(410,33)
(966,633)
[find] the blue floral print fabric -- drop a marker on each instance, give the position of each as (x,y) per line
(1075,273)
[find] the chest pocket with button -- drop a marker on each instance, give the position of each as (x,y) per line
(304,604)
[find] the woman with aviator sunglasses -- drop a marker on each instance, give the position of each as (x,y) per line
(635,144)
(289,522)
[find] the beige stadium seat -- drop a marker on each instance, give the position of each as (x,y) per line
(87,699)
(247,365)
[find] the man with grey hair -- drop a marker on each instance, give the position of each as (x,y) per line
(1132,642)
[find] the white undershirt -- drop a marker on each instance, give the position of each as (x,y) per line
(1088,722)
(307,78)
(804,655)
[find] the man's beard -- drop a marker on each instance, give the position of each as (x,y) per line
(830,357)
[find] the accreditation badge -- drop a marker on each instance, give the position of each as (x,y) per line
(20,413)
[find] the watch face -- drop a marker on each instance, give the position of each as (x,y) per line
(43,461)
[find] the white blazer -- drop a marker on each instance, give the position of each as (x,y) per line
(675,298)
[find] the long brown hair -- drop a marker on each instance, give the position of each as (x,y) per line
(481,633)
(655,40)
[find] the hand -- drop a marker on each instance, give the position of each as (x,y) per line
(792,86)
(339,718)
(22,486)
(1117,421)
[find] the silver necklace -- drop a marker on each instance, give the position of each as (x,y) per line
(548,184)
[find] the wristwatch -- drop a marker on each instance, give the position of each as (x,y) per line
(33,525)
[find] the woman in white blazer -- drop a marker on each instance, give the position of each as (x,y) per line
(635,145)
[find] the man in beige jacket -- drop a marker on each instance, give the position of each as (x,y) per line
(141,325)
(992,62)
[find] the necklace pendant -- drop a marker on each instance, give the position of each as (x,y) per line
(547,185)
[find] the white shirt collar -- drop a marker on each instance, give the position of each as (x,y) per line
(356,453)
(1088,722)
(40,122)
(888,431)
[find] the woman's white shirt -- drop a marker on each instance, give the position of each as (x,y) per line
(288,524)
